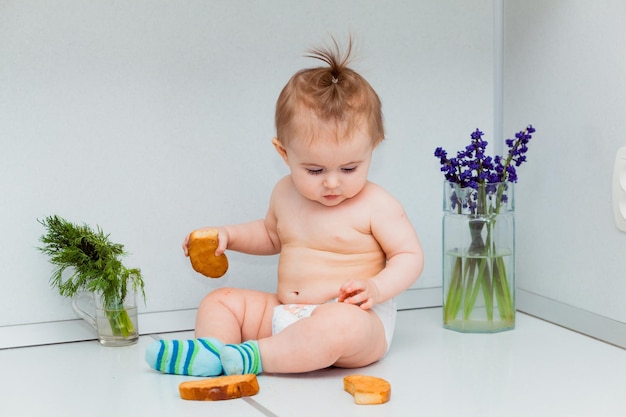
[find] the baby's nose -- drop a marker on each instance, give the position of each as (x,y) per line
(331,181)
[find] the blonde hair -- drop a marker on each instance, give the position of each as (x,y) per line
(332,96)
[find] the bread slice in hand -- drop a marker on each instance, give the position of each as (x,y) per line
(219,388)
(201,248)
(367,389)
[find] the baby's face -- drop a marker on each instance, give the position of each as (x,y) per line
(330,171)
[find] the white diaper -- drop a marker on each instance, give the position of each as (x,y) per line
(287,314)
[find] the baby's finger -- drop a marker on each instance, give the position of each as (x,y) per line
(346,287)
(367,304)
(185,246)
(356,298)
(222,242)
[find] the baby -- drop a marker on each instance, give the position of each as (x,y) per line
(346,246)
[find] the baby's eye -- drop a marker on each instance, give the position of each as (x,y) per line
(315,171)
(350,169)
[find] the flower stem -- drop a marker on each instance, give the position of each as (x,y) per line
(120,322)
(453,300)
(479,273)
(488,296)
(505,304)
(469,306)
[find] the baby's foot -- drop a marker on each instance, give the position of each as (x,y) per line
(196,357)
(241,359)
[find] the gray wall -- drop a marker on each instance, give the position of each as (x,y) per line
(152,118)
(565,67)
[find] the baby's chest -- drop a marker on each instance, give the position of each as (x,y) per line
(334,232)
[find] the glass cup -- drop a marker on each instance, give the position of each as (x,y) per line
(116,323)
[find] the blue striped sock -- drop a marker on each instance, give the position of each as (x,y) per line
(196,357)
(241,359)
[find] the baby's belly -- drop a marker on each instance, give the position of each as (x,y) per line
(308,276)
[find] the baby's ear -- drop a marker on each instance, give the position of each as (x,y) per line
(282,151)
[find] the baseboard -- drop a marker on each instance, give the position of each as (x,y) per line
(419,298)
(69,331)
(78,330)
(576,319)
(573,318)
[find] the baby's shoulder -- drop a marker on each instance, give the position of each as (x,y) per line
(285,181)
(379,199)
(284,193)
(283,186)
(376,192)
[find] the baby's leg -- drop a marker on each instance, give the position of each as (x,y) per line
(235,315)
(337,334)
(225,315)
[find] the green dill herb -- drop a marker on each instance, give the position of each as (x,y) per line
(93,264)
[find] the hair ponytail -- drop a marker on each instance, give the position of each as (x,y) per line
(334,93)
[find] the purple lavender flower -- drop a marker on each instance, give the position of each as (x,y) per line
(472,167)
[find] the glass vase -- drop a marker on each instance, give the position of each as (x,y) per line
(115,322)
(478,257)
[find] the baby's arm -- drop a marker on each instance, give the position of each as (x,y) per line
(257,237)
(252,238)
(405,259)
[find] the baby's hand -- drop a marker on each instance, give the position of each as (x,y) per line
(363,293)
(222,242)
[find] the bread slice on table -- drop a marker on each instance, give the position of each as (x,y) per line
(201,248)
(219,388)
(367,389)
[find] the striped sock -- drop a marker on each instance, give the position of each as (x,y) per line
(196,357)
(241,359)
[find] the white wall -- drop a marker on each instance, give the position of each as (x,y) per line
(152,118)
(565,72)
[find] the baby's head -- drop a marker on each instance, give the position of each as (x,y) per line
(330,99)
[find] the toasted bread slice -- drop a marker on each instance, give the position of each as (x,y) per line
(201,247)
(367,389)
(219,388)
